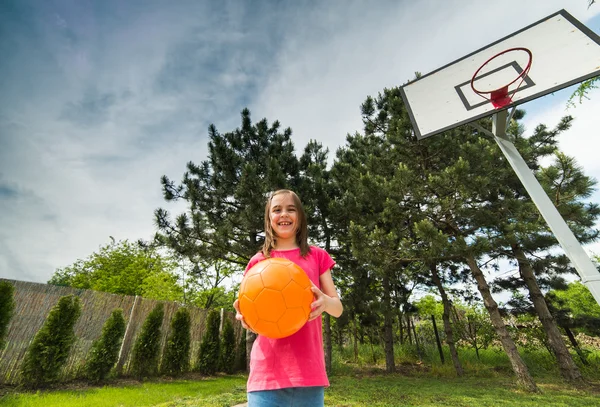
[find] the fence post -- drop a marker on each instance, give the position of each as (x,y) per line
(126,338)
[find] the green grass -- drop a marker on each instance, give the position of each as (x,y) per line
(424,381)
(373,390)
(221,391)
(396,390)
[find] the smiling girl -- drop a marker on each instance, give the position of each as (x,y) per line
(291,371)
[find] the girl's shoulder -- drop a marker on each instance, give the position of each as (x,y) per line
(259,256)
(318,251)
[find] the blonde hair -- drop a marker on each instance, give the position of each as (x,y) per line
(301,231)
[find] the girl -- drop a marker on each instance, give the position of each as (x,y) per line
(291,371)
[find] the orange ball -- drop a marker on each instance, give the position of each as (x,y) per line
(275,297)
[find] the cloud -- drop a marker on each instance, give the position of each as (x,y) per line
(100,99)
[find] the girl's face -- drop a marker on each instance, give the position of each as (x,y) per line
(284,217)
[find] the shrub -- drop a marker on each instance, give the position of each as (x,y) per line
(240,353)
(7,307)
(176,358)
(51,345)
(105,350)
(228,347)
(147,345)
(208,357)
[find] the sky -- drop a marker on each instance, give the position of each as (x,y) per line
(99,99)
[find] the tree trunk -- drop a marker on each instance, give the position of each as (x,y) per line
(327,340)
(437,339)
(524,378)
(408,334)
(355,338)
(400,326)
(568,368)
(446,318)
(327,322)
(575,345)
(416,340)
(388,326)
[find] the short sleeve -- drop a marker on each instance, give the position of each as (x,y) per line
(255,259)
(325,261)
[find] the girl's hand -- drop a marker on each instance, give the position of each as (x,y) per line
(320,304)
(239,316)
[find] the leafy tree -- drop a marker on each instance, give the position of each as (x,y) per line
(474,326)
(123,268)
(104,352)
(209,354)
(146,350)
(50,347)
(576,308)
(227,348)
(7,306)
(205,287)
(176,358)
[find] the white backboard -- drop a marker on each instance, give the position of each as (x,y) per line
(564,52)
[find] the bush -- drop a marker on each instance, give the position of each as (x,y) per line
(240,353)
(105,350)
(176,358)
(228,347)
(7,307)
(50,348)
(147,345)
(208,357)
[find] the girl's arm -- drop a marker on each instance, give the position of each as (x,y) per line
(326,299)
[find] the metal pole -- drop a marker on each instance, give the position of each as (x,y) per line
(573,249)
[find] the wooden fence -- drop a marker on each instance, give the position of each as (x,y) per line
(33,302)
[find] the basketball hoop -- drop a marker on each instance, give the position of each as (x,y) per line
(499,97)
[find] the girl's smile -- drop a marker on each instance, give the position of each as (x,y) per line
(284,218)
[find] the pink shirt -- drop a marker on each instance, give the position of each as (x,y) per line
(297,360)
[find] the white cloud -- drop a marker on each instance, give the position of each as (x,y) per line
(95,109)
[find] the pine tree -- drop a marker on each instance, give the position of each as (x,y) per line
(226,193)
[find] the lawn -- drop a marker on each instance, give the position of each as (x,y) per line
(357,390)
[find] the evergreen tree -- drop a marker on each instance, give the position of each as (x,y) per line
(317,192)
(146,350)
(226,195)
(240,354)
(7,307)
(176,357)
(50,347)
(228,347)
(208,357)
(104,352)
(448,184)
